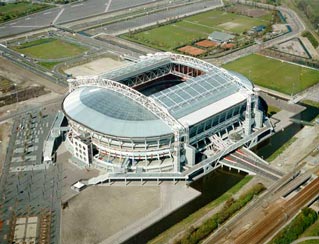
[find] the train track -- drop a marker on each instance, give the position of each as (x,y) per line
(279,215)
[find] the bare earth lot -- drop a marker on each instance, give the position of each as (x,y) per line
(101,211)
(96,67)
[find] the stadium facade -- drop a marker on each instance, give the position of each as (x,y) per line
(166,116)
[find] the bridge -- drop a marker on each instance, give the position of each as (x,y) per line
(245,160)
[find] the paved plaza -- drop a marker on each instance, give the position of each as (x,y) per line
(30,189)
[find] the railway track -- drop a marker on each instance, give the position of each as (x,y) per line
(279,215)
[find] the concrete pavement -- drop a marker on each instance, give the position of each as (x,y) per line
(65,13)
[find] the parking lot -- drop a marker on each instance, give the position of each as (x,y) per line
(29,188)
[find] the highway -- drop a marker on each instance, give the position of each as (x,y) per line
(153,18)
(66,13)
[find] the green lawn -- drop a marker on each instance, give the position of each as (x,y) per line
(50,48)
(313,230)
(14,10)
(228,21)
(274,74)
(310,242)
(195,27)
(48,65)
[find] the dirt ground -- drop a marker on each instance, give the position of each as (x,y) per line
(24,77)
(96,67)
(100,211)
(194,51)
(307,140)
(5,130)
(246,10)
(206,43)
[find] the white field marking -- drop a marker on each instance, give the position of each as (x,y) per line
(28,26)
(77,5)
(108,4)
(47,13)
(13,23)
(58,16)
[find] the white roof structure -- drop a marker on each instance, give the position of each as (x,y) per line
(107,105)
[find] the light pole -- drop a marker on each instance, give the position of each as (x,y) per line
(15,87)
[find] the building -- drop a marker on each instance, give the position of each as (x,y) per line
(220,37)
(160,117)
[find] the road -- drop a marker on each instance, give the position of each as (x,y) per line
(153,18)
(16,57)
(66,13)
(300,240)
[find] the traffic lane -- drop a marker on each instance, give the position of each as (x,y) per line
(82,10)
(122,4)
(28,23)
(154,17)
(94,7)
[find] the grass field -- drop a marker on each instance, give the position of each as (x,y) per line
(50,48)
(14,10)
(171,36)
(274,74)
(48,65)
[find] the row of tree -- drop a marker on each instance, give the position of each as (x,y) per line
(195,235)
(310,11)
(298,225)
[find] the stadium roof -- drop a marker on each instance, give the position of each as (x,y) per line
(110,113)
(96,107)
(195,93)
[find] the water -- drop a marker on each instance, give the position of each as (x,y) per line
(268,147)
(212,186)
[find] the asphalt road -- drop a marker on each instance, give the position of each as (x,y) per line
(147,19)
(66,13)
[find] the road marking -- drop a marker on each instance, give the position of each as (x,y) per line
(27,18)
(77,5)
(13,23)
(58,16)
(47,13)
(108,4)
(28,26)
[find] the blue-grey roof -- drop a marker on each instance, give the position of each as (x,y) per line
(196,93)
(111,113)
(220,36)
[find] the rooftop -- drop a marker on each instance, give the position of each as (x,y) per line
(96,107)
(220,36)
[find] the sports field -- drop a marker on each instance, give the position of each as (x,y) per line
(275,74)
(171,36)
(50,48)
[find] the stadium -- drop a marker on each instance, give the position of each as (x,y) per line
(165,116)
